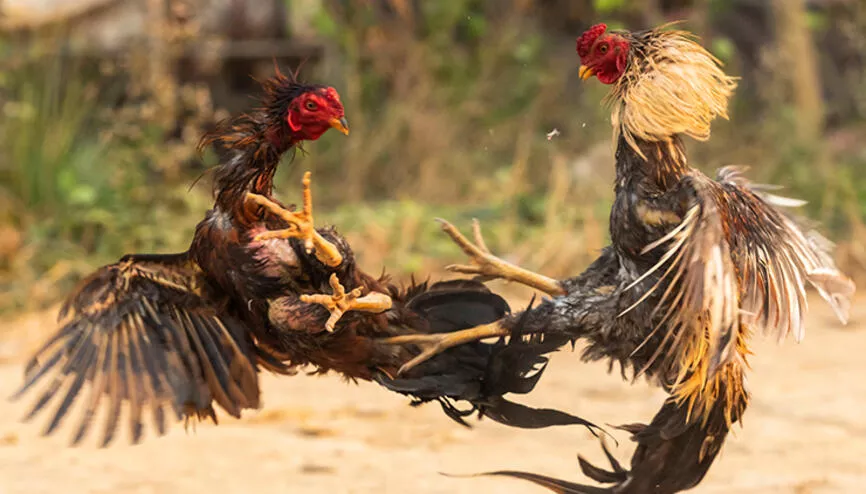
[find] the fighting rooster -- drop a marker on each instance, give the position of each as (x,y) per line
(696,265)
(261,288)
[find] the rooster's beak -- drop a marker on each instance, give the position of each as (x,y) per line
(340,124)
(585,72)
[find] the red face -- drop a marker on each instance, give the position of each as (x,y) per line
(602,55)
(312,113)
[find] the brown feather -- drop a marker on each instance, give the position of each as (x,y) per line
(738,262)
(141,331)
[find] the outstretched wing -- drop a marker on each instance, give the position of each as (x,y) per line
(803,253)
(737,260)
(144,332)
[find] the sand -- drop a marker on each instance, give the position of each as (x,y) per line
(805,432)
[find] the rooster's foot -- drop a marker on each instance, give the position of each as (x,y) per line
(300,226)
(340,302)
(486,265)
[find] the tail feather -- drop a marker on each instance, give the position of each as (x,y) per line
(449,306)
(674,453)
(554,485)
(479,373)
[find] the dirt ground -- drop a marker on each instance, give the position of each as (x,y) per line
(804,433)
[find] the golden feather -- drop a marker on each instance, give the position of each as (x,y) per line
(672,85)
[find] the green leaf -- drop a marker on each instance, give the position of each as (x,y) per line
(723,48)
(325,24)
(608,6)
(817,21)
(82,195)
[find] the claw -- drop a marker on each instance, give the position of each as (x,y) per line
(486,265)
(340,302)
(301,226)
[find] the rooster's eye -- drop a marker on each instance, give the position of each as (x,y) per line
(310,105)
(602,49)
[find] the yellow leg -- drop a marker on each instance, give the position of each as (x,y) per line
(486,264)
(433,344)
(340,302)
(301,226)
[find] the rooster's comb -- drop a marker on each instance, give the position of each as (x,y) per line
(585,41)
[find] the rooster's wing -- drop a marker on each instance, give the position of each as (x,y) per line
(738,260)
(145,331)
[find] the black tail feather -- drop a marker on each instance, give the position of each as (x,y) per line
(480,373)
(516,367)
(555,485)
(513,414)
(674,453)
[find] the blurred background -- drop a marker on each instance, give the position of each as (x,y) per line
(458,109)
(450,104)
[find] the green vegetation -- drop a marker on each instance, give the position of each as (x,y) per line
(77,184)
(449,106)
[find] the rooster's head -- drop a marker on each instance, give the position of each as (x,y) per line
(663,81)
(291,112)
(602,54)
(303,112)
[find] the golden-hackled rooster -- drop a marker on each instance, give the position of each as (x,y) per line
(696,266)
(261,288)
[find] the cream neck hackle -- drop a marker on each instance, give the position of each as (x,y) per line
(671,85)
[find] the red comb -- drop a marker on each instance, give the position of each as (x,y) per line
(585,41)
(332,93)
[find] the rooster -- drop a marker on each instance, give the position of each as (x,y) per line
(696,265)
(261,288)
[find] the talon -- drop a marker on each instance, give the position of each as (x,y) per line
(301,226)
(479,238)
(486,265)
(433,344)
(340,302)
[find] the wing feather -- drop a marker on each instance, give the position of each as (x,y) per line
(133,374)
(97,388)
(113,390)
(739,261)
(794,252)
(143,331)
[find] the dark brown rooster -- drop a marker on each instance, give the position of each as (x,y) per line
(170,334)
(696,265)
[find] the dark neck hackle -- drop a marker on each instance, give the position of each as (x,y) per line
(251,145)
(661,167)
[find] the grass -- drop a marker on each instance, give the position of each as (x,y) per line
(80,193)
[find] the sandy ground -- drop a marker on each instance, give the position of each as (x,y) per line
(804,433)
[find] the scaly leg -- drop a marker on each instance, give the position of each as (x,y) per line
(439,342)
(487,265)
(340,302)
(483,264)
(300,226)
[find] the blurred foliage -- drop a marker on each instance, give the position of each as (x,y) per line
(77,180)
(450,104)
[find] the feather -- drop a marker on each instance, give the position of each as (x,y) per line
(140,332)
(671,85)
(738,261)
